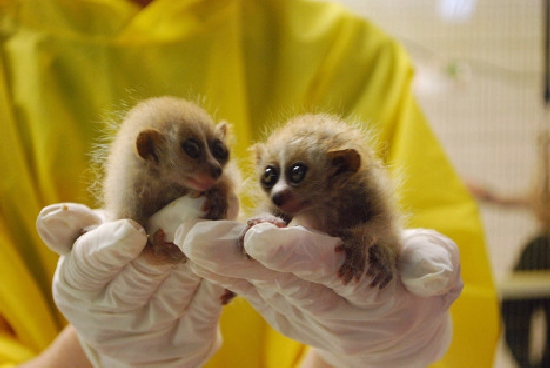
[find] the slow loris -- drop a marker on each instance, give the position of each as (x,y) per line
(167,148)
(320,172)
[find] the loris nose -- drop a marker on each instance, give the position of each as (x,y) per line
(279,198)
(216,172)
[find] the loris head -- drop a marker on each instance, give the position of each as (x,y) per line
(178,142)
(303,164)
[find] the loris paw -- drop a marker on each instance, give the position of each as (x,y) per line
(227,297)
(160,251)
(354,264)
(381,265)
(215,204)
(277,221)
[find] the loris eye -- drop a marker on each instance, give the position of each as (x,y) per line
(297,173)
(191,147)
(219,150)
(270,177)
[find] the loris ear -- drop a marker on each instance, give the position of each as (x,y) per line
(222,127)
(147,144)
(226,131)
(258,150)
(347,160)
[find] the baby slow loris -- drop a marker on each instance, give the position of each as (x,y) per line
(166,148)
(320,172)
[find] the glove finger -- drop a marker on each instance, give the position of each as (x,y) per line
(299,299)
(214,252)
(59,225)
(152,294)
(244,288)
(429,264)
(254,295)
(238,285)
(175,293)
(134,285)
(196,335)
(286,293)
(100,254)
(310,313)
(310,256)
(317,316)
(203,311)
(214,245)
(309,320)
(167,287)
(143,297)
(302,317)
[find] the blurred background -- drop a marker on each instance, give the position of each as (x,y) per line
(480,80)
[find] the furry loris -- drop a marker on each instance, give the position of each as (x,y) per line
(320,172)
(166,148)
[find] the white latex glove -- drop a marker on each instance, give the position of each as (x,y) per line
(293,283)
(129,312)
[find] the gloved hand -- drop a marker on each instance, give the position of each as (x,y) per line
(292,281)
(127,310)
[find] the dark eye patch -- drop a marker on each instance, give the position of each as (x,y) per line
(219,150)
(191,147)
(270,177)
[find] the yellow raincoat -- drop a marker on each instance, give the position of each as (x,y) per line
(66,65)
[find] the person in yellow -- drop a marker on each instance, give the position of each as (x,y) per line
(66,65)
